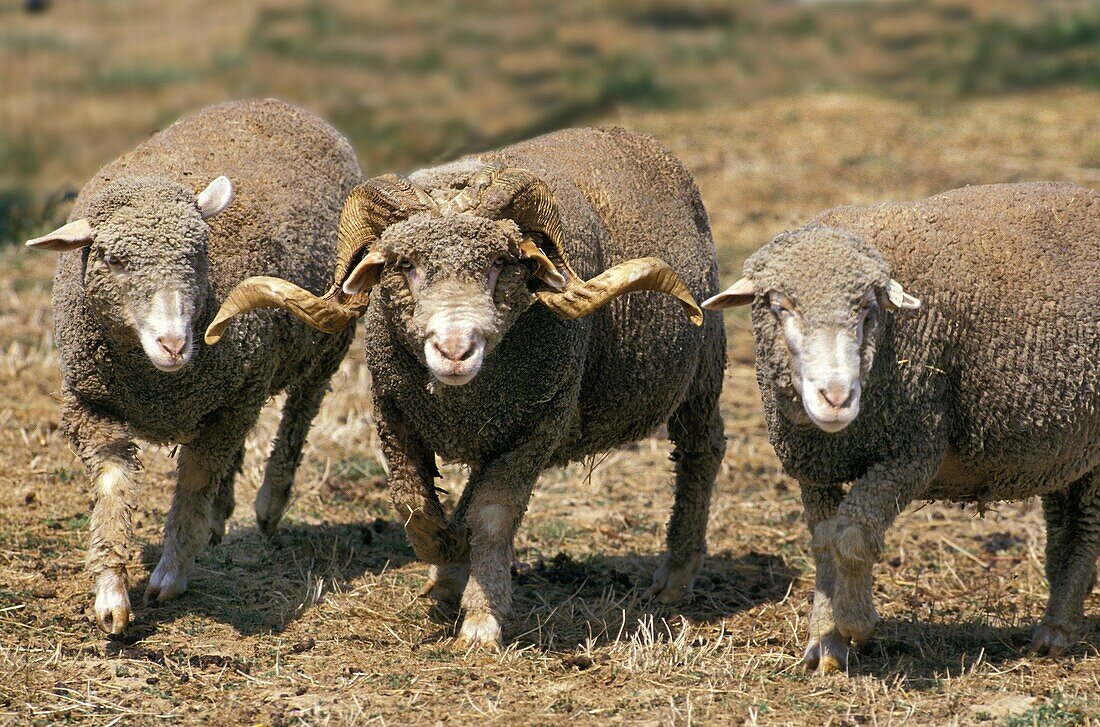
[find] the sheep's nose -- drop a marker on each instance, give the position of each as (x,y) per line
(172,345)
(837,395)
(454,348)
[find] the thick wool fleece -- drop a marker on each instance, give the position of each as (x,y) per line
(552,391)
(998,363)
(990,391)
(291,173)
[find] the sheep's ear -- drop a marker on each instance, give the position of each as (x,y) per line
(215,198)
(740,293)
(364,275)
(71,236)
(898,299)
(545,271)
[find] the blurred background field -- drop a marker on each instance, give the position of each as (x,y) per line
(780,110)
(416,82)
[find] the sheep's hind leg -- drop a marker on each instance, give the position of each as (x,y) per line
(224,499)
(202,465)
(826,649)
(1073,545)
(447,581)
(302,405)
(696,431)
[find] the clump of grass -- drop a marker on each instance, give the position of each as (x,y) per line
(357,468)
(1054,713)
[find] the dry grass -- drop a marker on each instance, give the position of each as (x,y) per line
(413,82)
(321,624)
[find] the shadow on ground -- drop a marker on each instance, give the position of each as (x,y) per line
(924,653)
(561,602)
(259,586)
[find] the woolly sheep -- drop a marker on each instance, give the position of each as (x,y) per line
(144,262)
(987,388)
(480,353)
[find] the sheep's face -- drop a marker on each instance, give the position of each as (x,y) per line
(818,298)
(146,268)
(830,347)
(453,286)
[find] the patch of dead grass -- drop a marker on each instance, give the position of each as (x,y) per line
(322,623)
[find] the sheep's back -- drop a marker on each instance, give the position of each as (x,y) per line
(291,172)
(1008,279)
(623,196)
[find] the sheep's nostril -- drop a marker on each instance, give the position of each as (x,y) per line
(454,350)
(836,396)
(172,345)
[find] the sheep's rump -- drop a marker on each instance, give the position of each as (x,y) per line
(1009,276)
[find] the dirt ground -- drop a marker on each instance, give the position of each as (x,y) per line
(321,624)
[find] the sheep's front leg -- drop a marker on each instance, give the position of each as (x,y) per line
(853,541)
(826,649)
(494,504)
(110,456)
(411,477)
(1073,544)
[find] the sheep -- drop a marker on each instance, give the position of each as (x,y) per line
(984,388)
(480,351)
(143,262)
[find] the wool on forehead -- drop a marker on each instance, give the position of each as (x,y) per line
(138,192)
(456,235)
(817,261)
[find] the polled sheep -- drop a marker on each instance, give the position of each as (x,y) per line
(986,388)
(144,262)
(495,337)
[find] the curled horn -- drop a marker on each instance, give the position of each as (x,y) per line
(520,195)
(369,209)
(643,273)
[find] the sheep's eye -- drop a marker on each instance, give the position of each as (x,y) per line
(498,263)
(781,307)
(115,262)
(405,265)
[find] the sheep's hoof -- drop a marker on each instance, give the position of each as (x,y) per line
(1051,639)
(446,583)
(479,629)
(217,530)
(827,654)
(269,510)
(671,585)
(112,602)
(267,526)
(856,624)
(169,580)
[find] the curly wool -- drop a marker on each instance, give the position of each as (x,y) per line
(291,172)
(998,358)
(621,196)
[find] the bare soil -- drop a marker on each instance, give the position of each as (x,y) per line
(321,624)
